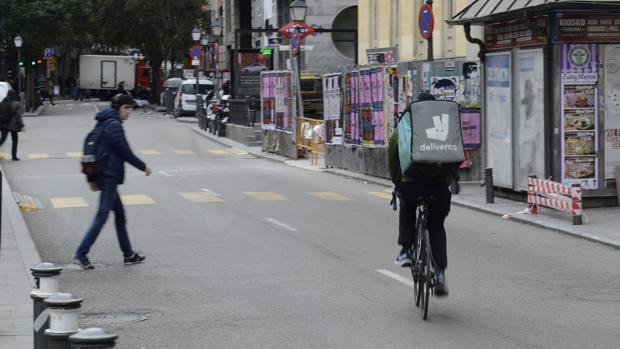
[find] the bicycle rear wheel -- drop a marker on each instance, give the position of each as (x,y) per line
(428,275)
(418,252)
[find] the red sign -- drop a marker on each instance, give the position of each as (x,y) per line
(195,51)
(426,21)
(514,33)
(302,29)
(591,27)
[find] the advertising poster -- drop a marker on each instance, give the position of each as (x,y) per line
(470,121)
(331,105)
(267,102)
(499,117)
(579,75)
(249,64)
(531,118)
(612,109)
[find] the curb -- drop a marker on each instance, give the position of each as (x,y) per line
(455,200)
(187,120)
(28,252)
(36,112)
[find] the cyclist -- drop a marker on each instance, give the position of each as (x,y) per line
(409,191)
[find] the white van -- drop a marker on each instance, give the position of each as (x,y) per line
(4,89)
(185,101)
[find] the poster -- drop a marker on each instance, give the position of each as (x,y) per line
(331,108)
(499,117)
(470,121)
(612,109)
(579,76)
(276,101)
(530,135)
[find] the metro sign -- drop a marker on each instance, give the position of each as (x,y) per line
(299,28)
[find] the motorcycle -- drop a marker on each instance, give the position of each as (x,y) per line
(222,113)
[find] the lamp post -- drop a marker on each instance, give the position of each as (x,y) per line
(196,33)
(298,13)
(18,43)
(216,29)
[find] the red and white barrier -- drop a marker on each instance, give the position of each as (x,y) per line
(554,195)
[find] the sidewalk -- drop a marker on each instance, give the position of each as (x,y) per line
(17,254)
(600,224)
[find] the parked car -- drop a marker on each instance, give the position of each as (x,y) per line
(185,101)
(4,89)
(169,92)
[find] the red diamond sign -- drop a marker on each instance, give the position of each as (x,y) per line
(302,30)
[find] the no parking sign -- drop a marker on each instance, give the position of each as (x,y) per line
(426,21)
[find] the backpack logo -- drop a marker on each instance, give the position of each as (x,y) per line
(441,128)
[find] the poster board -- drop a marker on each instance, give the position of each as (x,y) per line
(579,114)
(530,135)
(276,100)
(499,117)
(612,110)
(332,108)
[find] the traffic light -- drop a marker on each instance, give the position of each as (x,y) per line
(34,62)
(39,61)
(21,64)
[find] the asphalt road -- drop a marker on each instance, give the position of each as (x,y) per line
(280,257)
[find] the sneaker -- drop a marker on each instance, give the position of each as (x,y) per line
(135,258)
(404,258)
(84,263)
(441,289)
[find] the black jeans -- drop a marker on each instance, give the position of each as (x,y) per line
(5,133)
(438,211)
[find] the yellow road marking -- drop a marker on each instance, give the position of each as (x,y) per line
(329,196)
(4,156)
(149,152)
(74,154)
(237,151)
(265,195)
(381,194)
(184,152)
(219,152)
(69,202)
(136,200)
(38,156)
(200,196)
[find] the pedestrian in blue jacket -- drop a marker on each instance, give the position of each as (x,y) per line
(114,143)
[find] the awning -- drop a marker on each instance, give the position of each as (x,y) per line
(481,12)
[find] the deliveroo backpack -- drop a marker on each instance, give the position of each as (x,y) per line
(430,141)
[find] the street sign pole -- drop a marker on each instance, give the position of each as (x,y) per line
(430,41)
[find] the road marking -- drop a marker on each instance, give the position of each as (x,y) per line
(238,151)
(329,196)
(149,152)
(396,277)
(164,173)
(210,192)
(69,202)
(184,152)
(40,320)
(136,200)
(265,195)
(4,156)
(38,156)
(280,224)
(74,154)
(218,152)
(381,194)
(200,196)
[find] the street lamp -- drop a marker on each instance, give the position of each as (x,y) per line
(196,34)
(18,43)
(298,10)
(216,29)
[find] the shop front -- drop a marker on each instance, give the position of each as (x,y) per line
(551,93)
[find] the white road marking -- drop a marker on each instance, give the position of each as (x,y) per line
(396,277)
(280,224)
(210,192)
(164,173)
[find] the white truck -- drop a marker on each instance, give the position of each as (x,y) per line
(103,73)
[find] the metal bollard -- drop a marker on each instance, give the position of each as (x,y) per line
(93,338)
(63,309)
(488,181)
(577,219)
(46,284)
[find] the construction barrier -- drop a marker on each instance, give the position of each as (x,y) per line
(554,195)
(310,136)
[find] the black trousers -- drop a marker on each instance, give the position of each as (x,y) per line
(438,211)
(5,133)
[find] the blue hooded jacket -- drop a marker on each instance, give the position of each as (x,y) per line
(114,143)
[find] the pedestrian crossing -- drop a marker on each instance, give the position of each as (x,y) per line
(146,152)
(208,196)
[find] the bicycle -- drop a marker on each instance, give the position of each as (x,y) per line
(423,266)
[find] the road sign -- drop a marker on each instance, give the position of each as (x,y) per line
(302,29)
(426,21)
(196,52)
(48,52)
